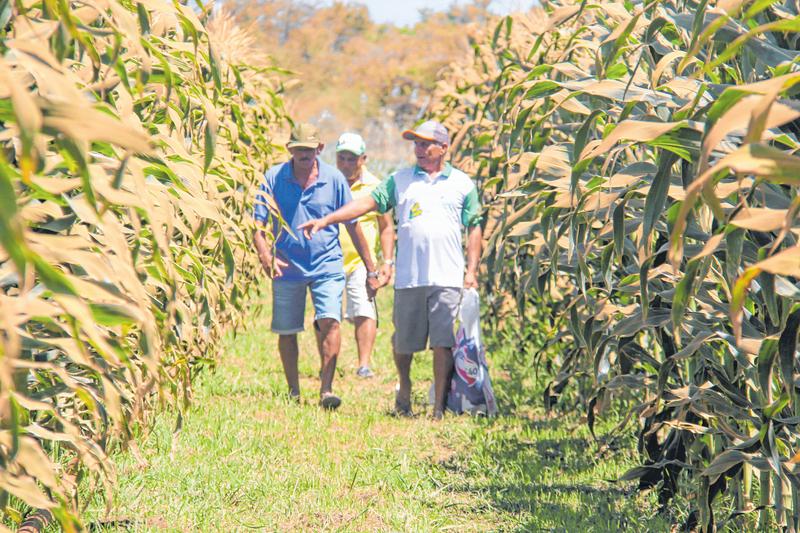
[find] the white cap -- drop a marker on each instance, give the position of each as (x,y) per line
(430,130)
(351,142)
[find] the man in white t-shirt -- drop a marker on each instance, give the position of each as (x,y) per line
(433,203)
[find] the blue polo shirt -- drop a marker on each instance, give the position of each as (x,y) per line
(308,258)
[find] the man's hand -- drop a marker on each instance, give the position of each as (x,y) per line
(312,226)
(385,274)
(373,284)
(273,266)
(470,280)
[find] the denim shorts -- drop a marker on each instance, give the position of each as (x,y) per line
(289,301)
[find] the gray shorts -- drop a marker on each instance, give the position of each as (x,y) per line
(423,314)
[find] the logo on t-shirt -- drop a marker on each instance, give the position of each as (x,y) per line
(415,211)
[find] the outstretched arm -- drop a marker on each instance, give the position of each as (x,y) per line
(346,213)
(474,238)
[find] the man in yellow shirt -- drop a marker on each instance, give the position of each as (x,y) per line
(378,230)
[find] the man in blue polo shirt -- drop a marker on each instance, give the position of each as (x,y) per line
(302,189)
(433,204)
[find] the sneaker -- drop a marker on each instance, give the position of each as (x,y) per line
(365,372)
(330,401)
(438,415)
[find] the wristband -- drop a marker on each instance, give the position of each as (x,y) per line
(373,275)
(390,262)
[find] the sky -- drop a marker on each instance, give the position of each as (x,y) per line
(406,12)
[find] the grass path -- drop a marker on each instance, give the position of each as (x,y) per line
(247,459)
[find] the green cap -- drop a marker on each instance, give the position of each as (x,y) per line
(304,136)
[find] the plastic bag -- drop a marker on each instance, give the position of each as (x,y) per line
(470,388)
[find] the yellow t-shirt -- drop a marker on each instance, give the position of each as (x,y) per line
(369,224)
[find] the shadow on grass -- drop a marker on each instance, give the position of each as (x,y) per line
(546,473)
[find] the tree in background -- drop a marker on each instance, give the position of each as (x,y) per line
(358,74)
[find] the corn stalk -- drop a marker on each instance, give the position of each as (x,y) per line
(639,165)
(130,149)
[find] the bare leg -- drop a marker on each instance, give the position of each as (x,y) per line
(403,363)
(287,346)
(442,372)
(318,336)
(330,333)
(366,329)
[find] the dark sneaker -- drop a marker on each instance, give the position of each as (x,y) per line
(330,401)
(438,415)
(365,372)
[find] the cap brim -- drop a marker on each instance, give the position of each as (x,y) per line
(350,149)
(411,135)
(312,146)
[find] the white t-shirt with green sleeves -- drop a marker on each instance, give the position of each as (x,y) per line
(431,214)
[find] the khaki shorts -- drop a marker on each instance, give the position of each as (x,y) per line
(425,315)
(357,303)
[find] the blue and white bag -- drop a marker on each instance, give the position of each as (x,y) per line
(470,388)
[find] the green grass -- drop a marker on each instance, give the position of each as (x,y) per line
(246,458)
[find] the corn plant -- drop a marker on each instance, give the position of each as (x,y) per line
(639,164)
(130,149)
